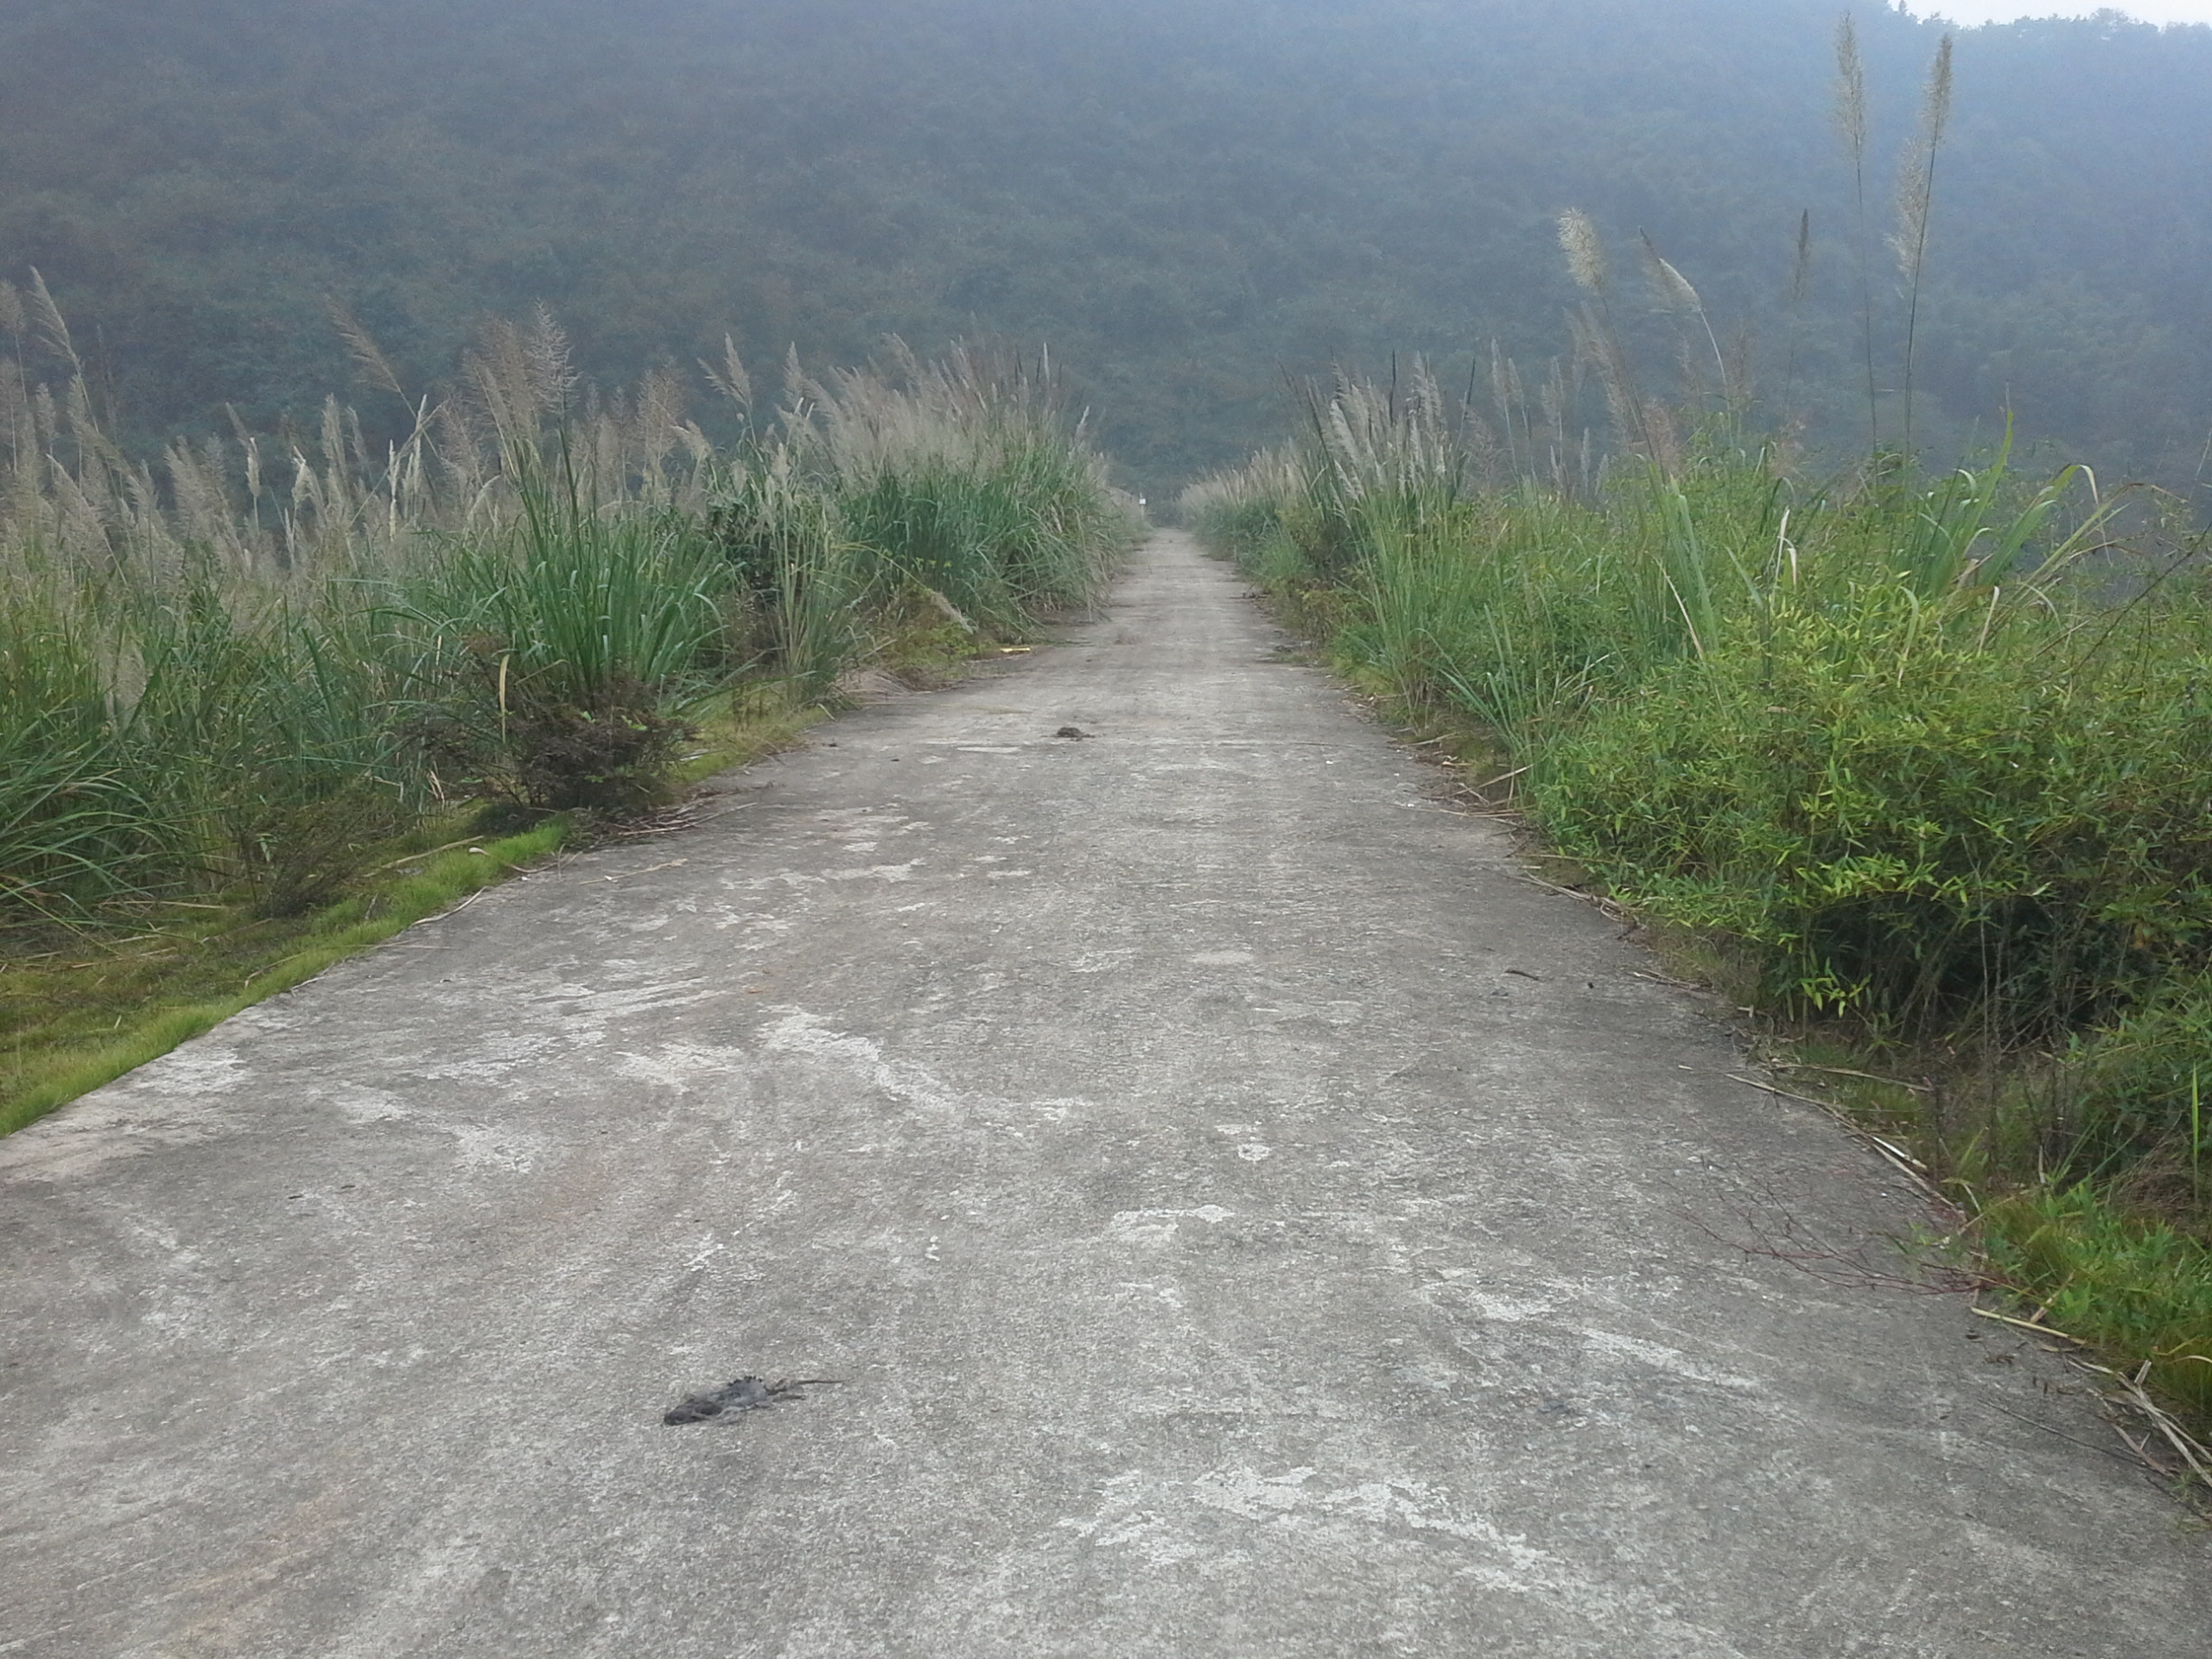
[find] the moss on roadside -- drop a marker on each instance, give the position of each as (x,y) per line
(79,1009)
(83,1012)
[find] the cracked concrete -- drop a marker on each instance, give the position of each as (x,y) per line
(1245,1217)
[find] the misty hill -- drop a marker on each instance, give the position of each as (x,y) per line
(1184,198)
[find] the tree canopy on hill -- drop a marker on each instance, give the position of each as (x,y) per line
(1185,197)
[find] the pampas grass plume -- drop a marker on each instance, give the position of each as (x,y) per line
(1673,289)
(1850,88)
(1585,255)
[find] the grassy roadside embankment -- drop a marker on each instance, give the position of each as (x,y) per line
(1920,764)
(264,704)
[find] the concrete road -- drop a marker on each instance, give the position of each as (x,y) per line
(1246,1218)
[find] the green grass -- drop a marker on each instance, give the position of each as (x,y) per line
(226,711)
(86,1013)
(738,728)
(2131,1286)
(1912,760)
(86,1008)
(553,661)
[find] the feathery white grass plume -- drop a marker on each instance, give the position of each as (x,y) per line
(16,432)
(1662,436)
(1910,237)
(1675,293)
(53,327)
(798,390)
(1917,171)
(1671,287)
(1850,88)
(1916,194)
(545,351)
(1553,402)
(83,426)
(337,494)
(359,451)
(250,446)
(1344,451)
(1851,123)
(45,419)
(497,372)
(459,446)
(659,414)
(1395,443)
(203,507)
(361,346)
(729,377)
(11,308)
(1424,398)
(1586,254)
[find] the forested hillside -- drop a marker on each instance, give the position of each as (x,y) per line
(1184,197)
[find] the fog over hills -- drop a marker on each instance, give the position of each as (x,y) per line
(1185,199)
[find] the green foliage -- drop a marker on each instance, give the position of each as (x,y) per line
(1924,823)
(558,652)
(211,684)
(76,826)
(2135,1288)
(70,1026)
(798,579)
(164,735)
(221,698)
(998,542)
(2133,1098)
(1924,751)
(262,731)
(1868,730)
(957,477)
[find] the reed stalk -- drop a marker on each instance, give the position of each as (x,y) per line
(1916,197)
(1850,115)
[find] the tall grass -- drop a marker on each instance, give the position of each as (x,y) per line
(960,477)
(1927,751)
(247,683)
(1915,198)
(237,667)
(551,659)
(76,824)
(799,584)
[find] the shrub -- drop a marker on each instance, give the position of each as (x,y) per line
(1923,825)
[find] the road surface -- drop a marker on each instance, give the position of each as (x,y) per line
(1245,1217)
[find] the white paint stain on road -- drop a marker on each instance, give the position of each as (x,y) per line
(1159,1226)
(1300,1523)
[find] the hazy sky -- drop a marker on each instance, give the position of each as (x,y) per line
(2004,11)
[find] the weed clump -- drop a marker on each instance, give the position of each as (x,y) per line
(1926,823)
(526,741)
